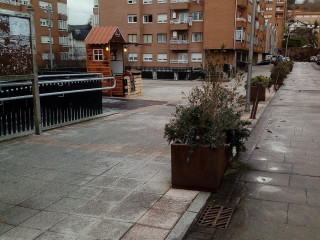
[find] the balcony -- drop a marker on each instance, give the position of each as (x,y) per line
(178,24)
(241,22)
(179,4)
(179,45)
(280,3)
(179,61)
(242,3)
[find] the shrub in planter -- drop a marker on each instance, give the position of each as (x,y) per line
(264,82)
(202,132)
(279,73)
(289,65)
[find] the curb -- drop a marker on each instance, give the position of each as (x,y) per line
(183,225)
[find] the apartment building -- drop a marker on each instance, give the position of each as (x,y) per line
(59,27)
(176,34)
(276,14)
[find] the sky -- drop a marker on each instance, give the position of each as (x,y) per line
(79,11)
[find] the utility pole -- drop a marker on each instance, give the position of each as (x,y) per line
(35,84)
(249,76)
(49,11)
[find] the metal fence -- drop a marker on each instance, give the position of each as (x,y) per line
(63,98)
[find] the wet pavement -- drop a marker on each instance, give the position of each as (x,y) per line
(103,179)
(278,193)
(110,178)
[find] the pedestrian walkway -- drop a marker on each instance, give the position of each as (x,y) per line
(278,196)
(109,178)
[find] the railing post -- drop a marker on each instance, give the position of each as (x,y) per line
(35,85)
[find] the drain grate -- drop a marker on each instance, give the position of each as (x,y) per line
(216,216)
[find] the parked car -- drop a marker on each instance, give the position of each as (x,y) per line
(286,59)
(318,62)
(313,58)
(264,62)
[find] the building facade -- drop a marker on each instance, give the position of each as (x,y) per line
(276,14)
(176,34)
(59,28)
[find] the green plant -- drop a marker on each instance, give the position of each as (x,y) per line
(289,65)
(264,81)
(279,72)
(213,114)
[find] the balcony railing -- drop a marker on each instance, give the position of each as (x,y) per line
(15,2)
(180,1)
(179,21)
(241,19)
(174,41)
(179,61)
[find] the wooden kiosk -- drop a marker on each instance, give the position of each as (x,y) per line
(106,52)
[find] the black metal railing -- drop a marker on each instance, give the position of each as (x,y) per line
(63,99)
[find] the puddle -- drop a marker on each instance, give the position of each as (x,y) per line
(263,179)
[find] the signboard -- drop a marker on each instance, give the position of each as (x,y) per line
(15,45)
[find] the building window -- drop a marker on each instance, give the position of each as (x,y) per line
(147,57)
(183,57)
(132,1)
(97,54)
(162,57)
(147,38)
(62,8)
(96,3)
(276,24)
(147,18)
(63,25)
(196,57)
(147,1)
(44,5)
(24,2)
(249,18)
(63,40)
(45,22)
(162,18)
(162,38)
(198,16)
(46,56)
(46,39)
(95,20)
(132,19)
(196,37)
(64,55)
(268,8)
(132,38)
(162,1)
(133,57)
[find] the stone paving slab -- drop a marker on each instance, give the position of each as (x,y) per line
(278,195)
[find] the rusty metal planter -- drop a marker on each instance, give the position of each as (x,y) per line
(203,172)
(254,91)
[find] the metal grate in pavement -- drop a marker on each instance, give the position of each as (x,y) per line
(216,216)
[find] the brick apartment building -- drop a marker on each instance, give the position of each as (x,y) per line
(177,33)
(276,14)
(59,30)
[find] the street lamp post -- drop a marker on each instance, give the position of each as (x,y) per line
(249,76)
(49,11)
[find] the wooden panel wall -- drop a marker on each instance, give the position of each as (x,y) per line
(104,66)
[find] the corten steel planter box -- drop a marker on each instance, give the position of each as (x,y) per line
(203,172)
(254,91)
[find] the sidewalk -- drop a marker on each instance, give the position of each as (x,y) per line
(103,179)
(278,196)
